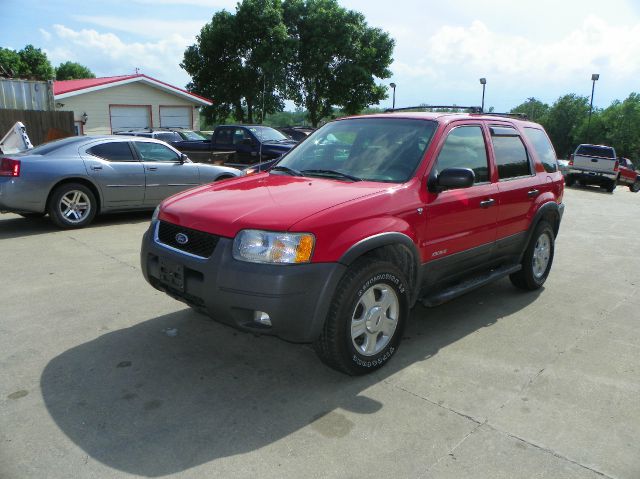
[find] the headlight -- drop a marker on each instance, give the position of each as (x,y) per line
(268,247)
(155,214)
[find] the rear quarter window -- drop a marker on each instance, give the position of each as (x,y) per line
(543,148)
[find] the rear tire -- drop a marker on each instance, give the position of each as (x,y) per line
(366,318)
(72,205)
(635,187)
(537,259)
(610,187)
(569,180)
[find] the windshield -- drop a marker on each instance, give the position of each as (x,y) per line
(374,149)
(265,133)
(192,135)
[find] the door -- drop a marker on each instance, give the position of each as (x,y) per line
(129,117)
(118,173)
(176,117)
(246,146)
(165,173)
(517,183)
(459,224)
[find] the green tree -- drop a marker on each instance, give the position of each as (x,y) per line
(336,58)
(534,109)
(73,71)
(239,61)
(9,62)
(34,64)
(622,121)
(564,120)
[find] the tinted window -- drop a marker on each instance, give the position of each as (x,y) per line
(224,136)
(465,148)
(375,149)
(155,152)
(590,150)
(543,148)
(511,156)
(168,136)
(113,151)
(239,135)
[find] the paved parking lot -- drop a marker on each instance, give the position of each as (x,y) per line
(101,376)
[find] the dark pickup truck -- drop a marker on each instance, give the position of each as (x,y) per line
(243,144)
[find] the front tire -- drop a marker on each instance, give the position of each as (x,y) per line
(635,187)
(537,259)
(72,205)
(366,318)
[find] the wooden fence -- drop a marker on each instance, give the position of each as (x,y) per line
(41,125)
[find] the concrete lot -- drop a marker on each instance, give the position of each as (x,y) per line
(497,384)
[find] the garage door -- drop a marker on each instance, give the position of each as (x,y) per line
(125,118)
(175,117)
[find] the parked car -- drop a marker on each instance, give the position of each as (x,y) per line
(75,178)
(593,165)
(297,133)
(628,175)
(337,241)
(250,144)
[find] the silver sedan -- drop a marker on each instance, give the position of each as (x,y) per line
(75,178)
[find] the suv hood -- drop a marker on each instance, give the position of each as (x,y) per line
(262,201)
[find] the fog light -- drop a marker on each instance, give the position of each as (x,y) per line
(262,318)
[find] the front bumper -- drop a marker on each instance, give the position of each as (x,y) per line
(296,297)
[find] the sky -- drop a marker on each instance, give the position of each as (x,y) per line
(540,48)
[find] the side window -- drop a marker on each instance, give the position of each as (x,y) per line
(465,148)
(155,152)
(224,136)
(113,151)
(239,135)
(543,148)
(511,156)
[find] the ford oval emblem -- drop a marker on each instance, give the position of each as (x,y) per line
(182,238)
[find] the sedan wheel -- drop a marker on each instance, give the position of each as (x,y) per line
(72,206)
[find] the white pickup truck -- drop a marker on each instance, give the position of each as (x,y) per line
(594,165)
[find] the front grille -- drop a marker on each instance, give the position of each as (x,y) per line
(199,243)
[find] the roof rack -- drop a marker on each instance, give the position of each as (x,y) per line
(471,109)
(522,116)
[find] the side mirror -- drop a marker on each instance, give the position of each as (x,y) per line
(184,158)
(452,178)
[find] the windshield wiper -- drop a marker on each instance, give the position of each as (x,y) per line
(332,174)
(286,169)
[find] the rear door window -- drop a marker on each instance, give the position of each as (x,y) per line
(510,153)
(113,151)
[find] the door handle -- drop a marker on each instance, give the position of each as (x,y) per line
(533,193)
(487,203)
(152,168)
(96,167)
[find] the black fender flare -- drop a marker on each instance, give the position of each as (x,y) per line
(550,207)
(387,239)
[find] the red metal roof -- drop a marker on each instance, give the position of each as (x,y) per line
(68,86)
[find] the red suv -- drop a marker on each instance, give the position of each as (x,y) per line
(370,214)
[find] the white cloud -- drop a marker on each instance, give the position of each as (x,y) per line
(107,55)
(149,28)
(45,34)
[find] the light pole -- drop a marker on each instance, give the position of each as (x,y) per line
(594,78)
(393,105)
(483,82)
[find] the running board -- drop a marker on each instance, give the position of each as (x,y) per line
(467,285)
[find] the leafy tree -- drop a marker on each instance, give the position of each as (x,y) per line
(336,58)
(73,71)
(34,64)
(534,109)
(9,62)
(239,61)
(563,121)
(622,120)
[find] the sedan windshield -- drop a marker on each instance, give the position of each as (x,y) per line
(373,149)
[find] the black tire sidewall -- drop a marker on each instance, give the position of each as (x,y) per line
(376,273)
(54,211)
